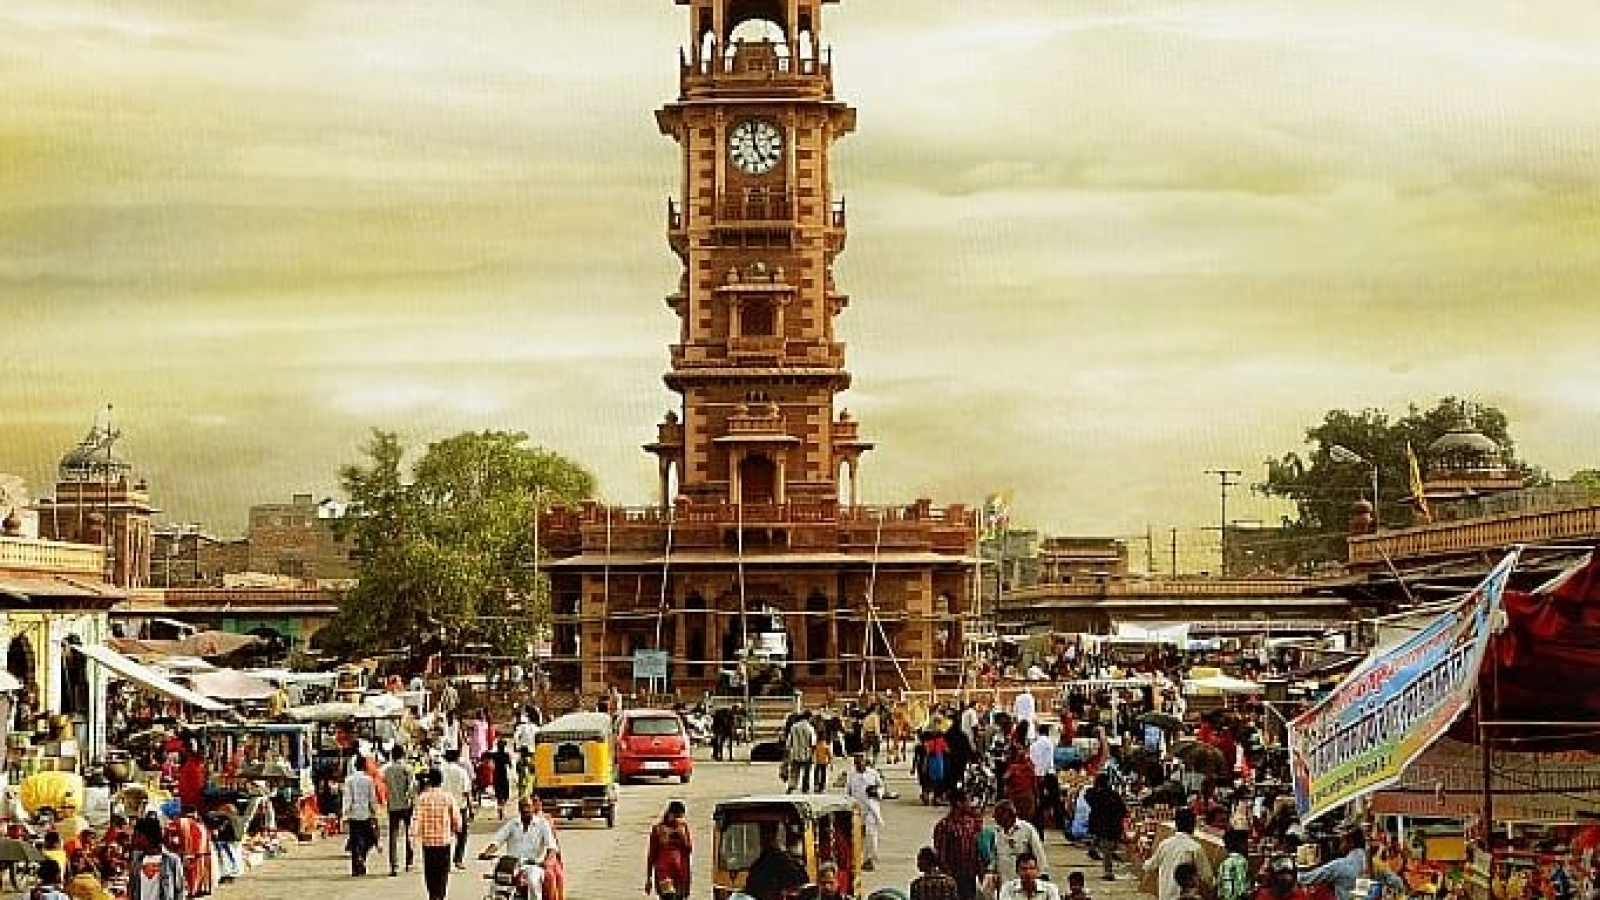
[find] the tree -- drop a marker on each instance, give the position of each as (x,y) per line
(1325,487)
(447,559)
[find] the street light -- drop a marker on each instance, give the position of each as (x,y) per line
(1342,454)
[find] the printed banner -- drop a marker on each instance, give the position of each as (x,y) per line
(1394,705)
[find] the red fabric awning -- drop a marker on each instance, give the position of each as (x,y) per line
(1545,666)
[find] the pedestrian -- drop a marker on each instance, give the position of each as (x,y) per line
(1343,871)
(667,861)
(359,810)
(1017,780)
(801,739)
(457,785)
(934,883)
(1107,814)
(529,839)
(821,758)
(1075,889)
(1028,885)
(435,822)
(865,787)
(479,736)
(226,830)
(955,839)
(827,886)
(155,873)
(722,733)
(402,782)
(1180,848)
(1233,875)
(503,763)
(1014,837)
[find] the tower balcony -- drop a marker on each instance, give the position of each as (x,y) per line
(677,234)
(758,70)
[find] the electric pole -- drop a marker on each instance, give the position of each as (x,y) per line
(1226,479)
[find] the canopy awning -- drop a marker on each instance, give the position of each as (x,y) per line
(146,677)
(228,684)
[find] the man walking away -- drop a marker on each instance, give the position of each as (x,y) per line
(955,839)
(1107,813)
(797,752)
(402,794)
(456,783)
(359,811)
(435,822)
(1180,848)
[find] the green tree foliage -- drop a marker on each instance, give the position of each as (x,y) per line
(1324,488)
(446,558)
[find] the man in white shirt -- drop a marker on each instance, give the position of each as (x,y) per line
(1180,848)
(358,811)
(1042,751)
(1013,839)
(1022,709)
(456,782)
(529,838)
(969,722)
(1028,885)
(865,786)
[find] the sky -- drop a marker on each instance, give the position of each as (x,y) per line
(1096,248)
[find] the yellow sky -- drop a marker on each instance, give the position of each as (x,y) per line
(1096,248)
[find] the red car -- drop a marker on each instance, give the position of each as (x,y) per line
(652,743)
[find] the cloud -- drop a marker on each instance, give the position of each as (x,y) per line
(1095,250)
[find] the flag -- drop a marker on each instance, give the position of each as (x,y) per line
(1418,493)
(996,515)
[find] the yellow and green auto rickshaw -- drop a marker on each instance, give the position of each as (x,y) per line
(573,773)
(811,829)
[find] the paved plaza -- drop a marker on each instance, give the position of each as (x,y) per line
(603,864)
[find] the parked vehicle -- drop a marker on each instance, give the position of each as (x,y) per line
(653,743)
(573,771)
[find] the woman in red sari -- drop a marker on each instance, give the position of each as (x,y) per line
(666,867)
(1019,783)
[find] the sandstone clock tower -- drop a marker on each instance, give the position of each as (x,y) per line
(757,231)
(757,571)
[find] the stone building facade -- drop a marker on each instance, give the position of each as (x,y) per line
(758,551)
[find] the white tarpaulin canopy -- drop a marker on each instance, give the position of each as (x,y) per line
(1225,684)
(1153,633)
(146,677)
(229,684)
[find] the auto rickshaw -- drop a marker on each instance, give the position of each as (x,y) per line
(573,772)
(812,828)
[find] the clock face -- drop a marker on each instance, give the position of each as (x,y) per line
(755,146)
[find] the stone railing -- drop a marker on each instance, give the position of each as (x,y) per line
(1576,525)
(51,557)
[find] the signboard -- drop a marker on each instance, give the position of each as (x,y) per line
(650,665)
(1363,735)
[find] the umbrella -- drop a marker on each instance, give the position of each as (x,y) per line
(1161,720)
(1199,756)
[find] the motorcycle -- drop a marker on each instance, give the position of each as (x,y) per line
(508,880)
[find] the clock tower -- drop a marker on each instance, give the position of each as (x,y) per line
(757,229)
(757,570)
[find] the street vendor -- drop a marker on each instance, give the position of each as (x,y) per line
(1341,873)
